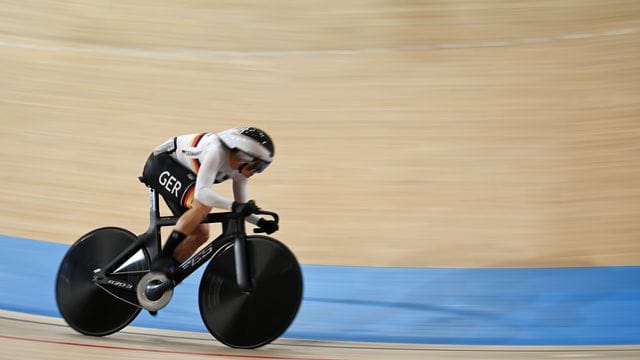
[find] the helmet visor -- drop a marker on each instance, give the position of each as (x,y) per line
(257,165)
(254,164)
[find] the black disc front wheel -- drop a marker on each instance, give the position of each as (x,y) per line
(87,307)
(251,319)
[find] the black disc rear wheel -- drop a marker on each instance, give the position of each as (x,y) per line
(251,319)
(85,306)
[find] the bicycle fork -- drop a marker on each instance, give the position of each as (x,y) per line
(240,253)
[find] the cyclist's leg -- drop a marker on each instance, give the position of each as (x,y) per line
(189,245)
(167,261)
(179,248)
(159,171)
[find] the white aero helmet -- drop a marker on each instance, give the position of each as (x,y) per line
(252,144)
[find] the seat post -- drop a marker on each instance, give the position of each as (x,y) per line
(154,208)
(153,234)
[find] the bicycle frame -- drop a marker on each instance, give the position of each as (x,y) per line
(233,229)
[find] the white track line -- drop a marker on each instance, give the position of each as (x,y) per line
(186,53)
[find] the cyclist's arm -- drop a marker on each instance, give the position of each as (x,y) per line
(240,194)
(204,192)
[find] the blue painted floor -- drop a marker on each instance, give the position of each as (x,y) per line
(547,306)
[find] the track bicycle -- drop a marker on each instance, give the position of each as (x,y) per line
(249,293)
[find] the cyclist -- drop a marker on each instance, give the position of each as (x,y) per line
(184,169)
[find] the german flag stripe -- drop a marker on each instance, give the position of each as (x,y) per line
(194,143)
(187,200)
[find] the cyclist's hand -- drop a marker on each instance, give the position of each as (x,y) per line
(244,209)
(268,226)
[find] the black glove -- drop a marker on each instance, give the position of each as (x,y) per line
(268,226)
(244,209)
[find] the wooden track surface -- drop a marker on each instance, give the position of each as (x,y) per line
(441,133)
(459,133)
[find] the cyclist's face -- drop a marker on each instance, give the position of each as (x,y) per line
(246,170)
(245,167)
